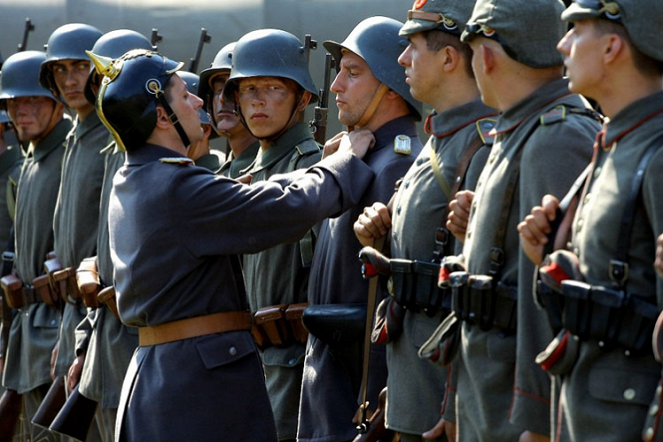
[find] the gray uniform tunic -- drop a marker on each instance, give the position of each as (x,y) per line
(111,343)
(234,166)
(277,276)
(169,267)
(34,329)
(417,387)
(331,381)
(491,405)
(606,395)
(77,217)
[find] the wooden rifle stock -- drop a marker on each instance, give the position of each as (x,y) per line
(76,416)
(374,430)
(319,123)
(51,404)
(10,410)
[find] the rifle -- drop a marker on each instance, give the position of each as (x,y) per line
(51,404)
(204,38)
(156,38)
(319,122)
(75,417)
(10,409)
(26,33)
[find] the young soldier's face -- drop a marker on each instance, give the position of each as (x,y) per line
(31,116)
(422,68)
(583,49)
(70,77)
(267,104)
(225,118)
(354,87)
(186,106)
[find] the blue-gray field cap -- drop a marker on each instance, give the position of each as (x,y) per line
(528,30)
(642,19)
(445,15)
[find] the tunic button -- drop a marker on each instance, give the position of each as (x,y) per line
(659,390)
(419,161)
(53,322)
(653,410)
(587,197)
(597,172)
(629,394)
(579,224)
(232,351)
(649,434)
(458,179)
(292,361)
(398,210)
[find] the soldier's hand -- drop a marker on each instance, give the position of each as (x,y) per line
(332,144)
(374,222)
(245,179)
(535,228)
(54,358)
(529,436)
(357,142)
(74,374)
(459,214)
(658,264)
(443,427)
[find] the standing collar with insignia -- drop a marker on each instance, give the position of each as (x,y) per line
(632,116)
(149,153)
(286,142)
(452,120)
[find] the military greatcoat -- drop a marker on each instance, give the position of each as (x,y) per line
(331,382)
(556,147)
(172,248)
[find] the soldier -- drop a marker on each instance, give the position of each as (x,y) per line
(368,72)
(76,217)
(271,87)
(242,146)
(196,374)
(200,152)
(542,139)
(438,70)
(111,343)
(609,377)
(38,118)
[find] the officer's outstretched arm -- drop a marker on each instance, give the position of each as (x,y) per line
(374,222)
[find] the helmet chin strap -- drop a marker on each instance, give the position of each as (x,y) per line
(172,117)
(372,107)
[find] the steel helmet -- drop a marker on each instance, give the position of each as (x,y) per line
(114,44)
(193,85)
(130,89)
(222,63)
(20,77)
(377,42)
(4,118)
(68,42)
(270,53)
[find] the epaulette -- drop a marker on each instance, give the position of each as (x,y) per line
(554,115)
(179,161)
(403,145)
(485,128)
(308,148)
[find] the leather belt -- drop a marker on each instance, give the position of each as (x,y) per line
(30,296)
(192,327)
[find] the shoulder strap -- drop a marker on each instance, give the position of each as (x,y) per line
(619,266)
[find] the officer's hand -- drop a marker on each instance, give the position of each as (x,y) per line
(374,222)
(529,436)
(459,214)
(443,427)
(245,179)
(658,264)
(535,228)
(54,358)
(74,374)
(357,142)
(332,144)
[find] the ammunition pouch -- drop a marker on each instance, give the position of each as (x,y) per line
(612,317)
(88,283)
(414,286)
(478,301)
(51,266)
(107,297)
(19,295)
(279,325)
(65,280)
(13,288)
(337,325)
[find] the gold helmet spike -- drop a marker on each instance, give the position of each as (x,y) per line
(104,65)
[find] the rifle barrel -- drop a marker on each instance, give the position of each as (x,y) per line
(204,38)
(26,33)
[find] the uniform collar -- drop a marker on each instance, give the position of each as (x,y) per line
(53,140)
(632,116)
(244,159)
(85,126)
(452,120)
(385,134)
(286,142)
(529,106)
(149,153)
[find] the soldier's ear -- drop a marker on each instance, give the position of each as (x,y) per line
(304,100)
(614,45)
(450,58)
(489,58)
(163,122)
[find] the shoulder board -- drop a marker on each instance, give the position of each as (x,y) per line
(307,148)
(485,128)
(403,145)
(179,161)
(554,115)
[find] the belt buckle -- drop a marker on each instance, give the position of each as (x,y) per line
(8,256)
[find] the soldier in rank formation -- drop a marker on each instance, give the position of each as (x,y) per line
(500,281)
